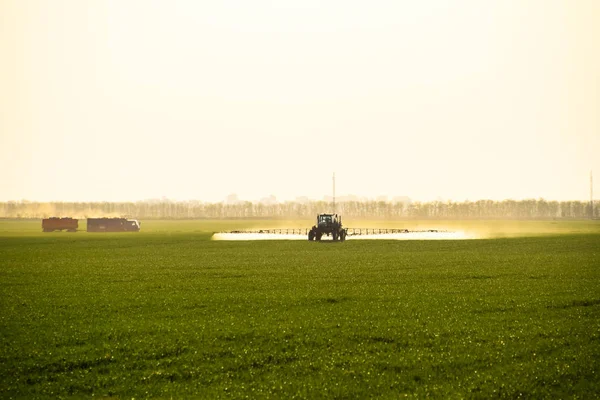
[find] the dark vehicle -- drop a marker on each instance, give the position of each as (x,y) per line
(58,224)
(328,224)
(112,225)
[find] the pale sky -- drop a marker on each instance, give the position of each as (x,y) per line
(131,100)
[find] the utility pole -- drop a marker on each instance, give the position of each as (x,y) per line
(334,192)
(591,195)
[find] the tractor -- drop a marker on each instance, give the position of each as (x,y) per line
(328,224)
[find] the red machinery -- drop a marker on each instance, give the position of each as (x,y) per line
(59,224)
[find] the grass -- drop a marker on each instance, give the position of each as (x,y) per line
(479,228)
(169,313)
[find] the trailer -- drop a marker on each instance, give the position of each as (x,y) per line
(113,225)
(58,224)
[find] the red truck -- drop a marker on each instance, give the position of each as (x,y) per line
(59,224)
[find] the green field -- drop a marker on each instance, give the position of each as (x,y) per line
(169,313)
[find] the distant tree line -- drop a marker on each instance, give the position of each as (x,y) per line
(481,209)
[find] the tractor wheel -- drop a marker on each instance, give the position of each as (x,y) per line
(334,235)
(319,235)
(311,235)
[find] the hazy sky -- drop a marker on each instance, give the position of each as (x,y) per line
(130,100)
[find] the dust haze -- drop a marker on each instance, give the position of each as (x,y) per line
(424,235)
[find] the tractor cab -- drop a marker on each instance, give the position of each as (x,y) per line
(328,220)
(328,224)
